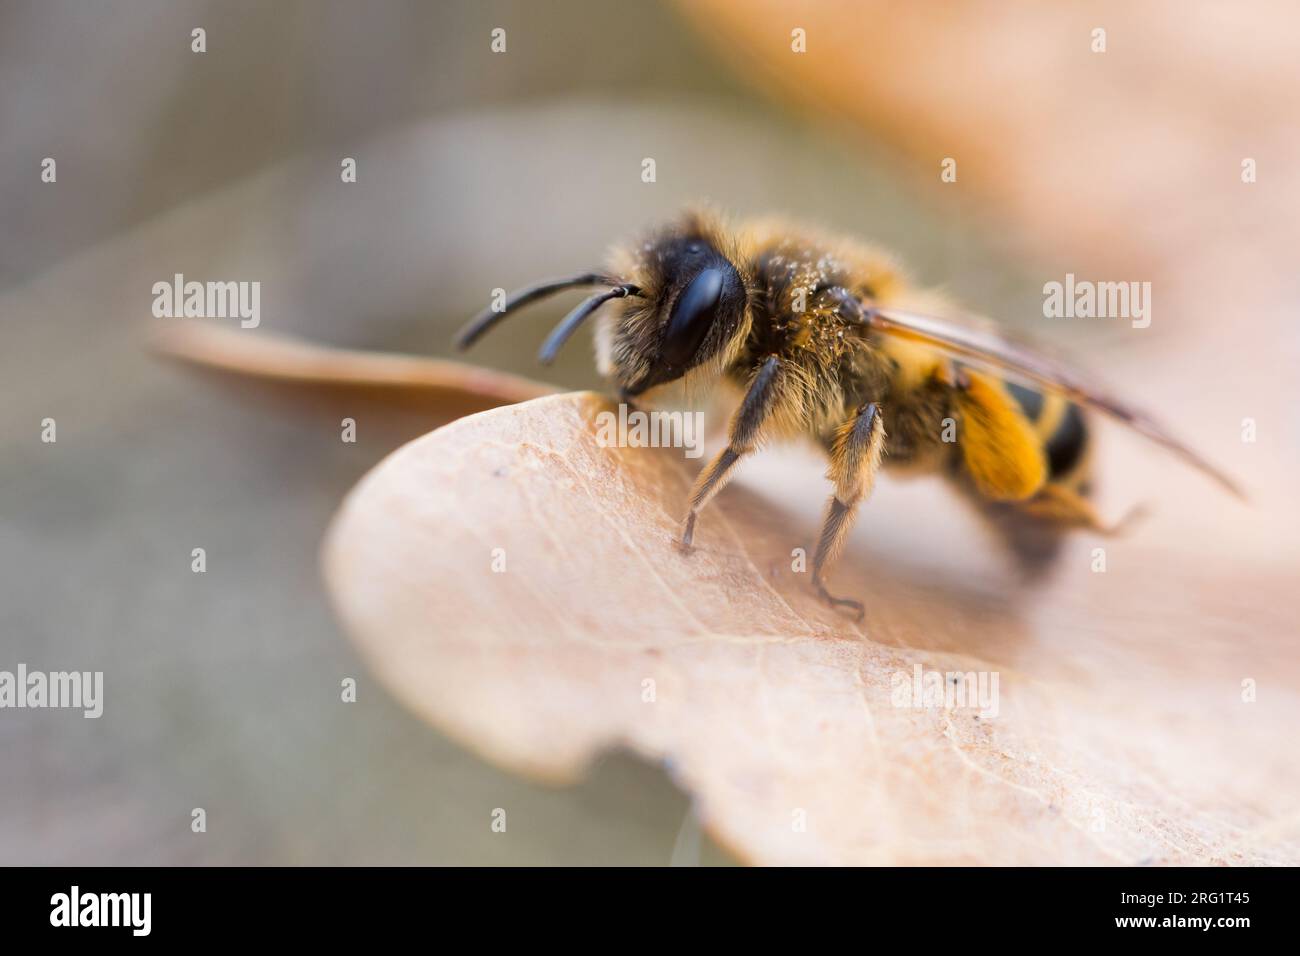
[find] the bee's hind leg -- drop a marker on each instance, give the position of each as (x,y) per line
(1035,530)
(1069,508)
(746,426)
(855,459)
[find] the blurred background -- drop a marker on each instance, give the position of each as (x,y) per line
(477,170)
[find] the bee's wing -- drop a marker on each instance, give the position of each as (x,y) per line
(986,347)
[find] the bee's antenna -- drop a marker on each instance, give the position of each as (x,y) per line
(490,317)
(555,341)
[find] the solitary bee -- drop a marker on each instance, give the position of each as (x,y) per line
(827,339)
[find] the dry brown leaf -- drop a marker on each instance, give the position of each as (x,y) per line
(441,390)
(1121,734)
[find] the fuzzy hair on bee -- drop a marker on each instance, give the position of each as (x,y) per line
(825,337)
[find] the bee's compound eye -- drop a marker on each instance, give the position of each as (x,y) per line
(691,318)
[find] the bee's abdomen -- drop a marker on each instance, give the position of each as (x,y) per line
(1061,427)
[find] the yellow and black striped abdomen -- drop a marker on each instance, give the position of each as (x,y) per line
(1034,527)
(1063,431)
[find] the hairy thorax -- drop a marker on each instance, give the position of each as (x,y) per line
(806,302)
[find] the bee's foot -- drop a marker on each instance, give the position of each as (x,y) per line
(857,607)
(688,535)
(1133,517)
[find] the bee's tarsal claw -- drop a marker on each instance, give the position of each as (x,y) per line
(688,535)
(857,607)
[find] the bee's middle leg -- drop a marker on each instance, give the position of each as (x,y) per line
(855,459)
(746,426)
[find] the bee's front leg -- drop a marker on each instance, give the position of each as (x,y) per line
(855,459)
(746,425)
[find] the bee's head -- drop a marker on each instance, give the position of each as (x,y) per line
(684,307)
(691,312)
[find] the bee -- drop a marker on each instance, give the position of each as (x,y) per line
(826,338)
